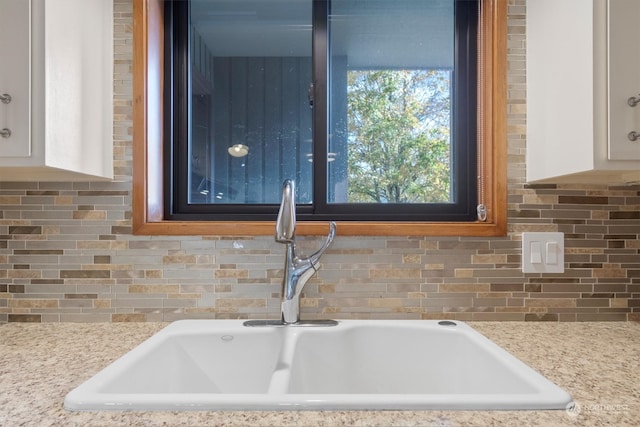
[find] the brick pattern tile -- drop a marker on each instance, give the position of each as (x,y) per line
(67,255)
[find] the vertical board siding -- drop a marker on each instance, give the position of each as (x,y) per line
(263,104)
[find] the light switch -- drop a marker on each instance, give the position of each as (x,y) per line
(543,252)
(536,253)
(552,252)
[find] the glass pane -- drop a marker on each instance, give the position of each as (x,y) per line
(250,114)
(391,70)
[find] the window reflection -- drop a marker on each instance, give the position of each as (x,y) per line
(250,115)
(390,101)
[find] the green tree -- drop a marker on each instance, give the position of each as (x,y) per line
(399,136)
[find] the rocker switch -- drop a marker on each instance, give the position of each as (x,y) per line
(536,253)
(552,252)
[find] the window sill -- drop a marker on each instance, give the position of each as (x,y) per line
(180,228)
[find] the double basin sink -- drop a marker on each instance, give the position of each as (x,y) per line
(368,364)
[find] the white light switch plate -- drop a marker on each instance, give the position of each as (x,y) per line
(543,252)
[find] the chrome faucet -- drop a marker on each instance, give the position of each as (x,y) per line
(297,270)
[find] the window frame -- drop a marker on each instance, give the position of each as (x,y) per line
(148,174)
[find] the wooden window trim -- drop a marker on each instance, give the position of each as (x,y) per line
(147,203)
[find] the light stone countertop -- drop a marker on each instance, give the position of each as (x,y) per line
(597,363)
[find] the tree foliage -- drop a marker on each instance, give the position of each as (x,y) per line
(399,136)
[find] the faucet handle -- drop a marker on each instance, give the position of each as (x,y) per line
(315,257)
(332,232)
(286,222)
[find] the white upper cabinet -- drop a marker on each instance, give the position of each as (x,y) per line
(624,79)
(583,72)
(56,64)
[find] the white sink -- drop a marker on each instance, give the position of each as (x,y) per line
(369,364)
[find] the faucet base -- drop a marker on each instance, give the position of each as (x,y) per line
(303,323)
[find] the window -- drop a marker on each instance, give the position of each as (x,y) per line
(373,107)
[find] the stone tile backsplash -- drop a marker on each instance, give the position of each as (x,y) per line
(67,255)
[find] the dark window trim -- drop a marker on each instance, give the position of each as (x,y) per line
(464,134)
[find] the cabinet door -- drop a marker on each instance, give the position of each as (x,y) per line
(15,77)
(624,79)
